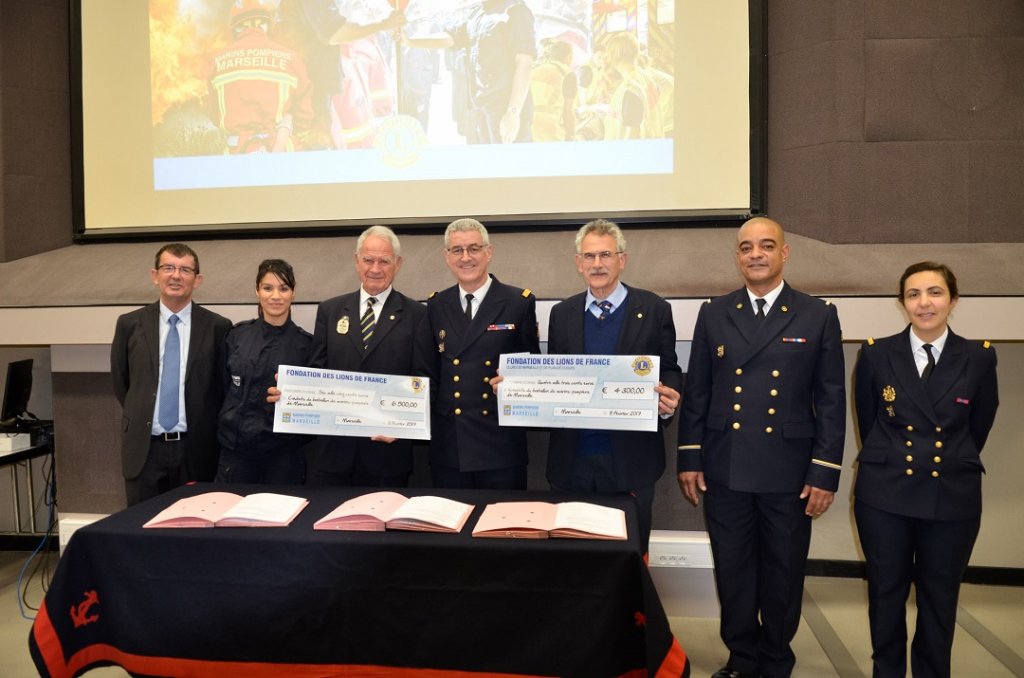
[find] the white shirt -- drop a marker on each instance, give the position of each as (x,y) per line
(381,298)
(184,333)
(478,296)
(769,298)
(617,299)
(921,355)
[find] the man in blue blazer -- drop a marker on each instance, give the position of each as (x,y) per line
(169,426)
(473,322)
(611,318)
(761,434)
(399,343)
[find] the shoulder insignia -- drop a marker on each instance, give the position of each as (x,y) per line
(527,292)
(708,301)
(986,344)
(432,295)
(828,302)
(871,341)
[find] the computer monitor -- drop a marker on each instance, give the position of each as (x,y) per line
(17,391)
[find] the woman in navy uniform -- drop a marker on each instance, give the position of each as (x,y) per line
(926,399)
(250,451)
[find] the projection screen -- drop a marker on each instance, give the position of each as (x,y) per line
(242,115)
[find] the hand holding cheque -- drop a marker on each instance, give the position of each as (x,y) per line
(332,402)
(612,392)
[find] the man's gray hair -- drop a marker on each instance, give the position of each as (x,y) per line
(466,224)
(379,232)
(601,227)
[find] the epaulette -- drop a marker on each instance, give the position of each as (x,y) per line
(527,292)
(828,302)
(250,321)
(871,341)
(708,301)
(986,344)
(432,295)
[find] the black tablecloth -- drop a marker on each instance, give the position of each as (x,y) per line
(298,602)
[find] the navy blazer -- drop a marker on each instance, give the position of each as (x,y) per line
(764,404)
(465,434)
(400,344)
(922,441)
(135,369)
(638,457)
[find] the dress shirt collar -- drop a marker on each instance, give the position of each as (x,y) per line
(617,297)
(769,298)
(478,295)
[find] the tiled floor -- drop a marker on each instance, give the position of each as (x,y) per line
(832,640)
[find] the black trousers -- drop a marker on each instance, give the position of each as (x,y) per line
(759,542)
(931,554)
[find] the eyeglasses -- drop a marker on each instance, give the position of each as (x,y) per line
(383,262)
(603,257)
(169,269)
(472,250)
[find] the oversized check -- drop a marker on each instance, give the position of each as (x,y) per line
(336,403)
(613,392)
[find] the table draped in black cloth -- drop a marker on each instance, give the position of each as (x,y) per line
(298,602)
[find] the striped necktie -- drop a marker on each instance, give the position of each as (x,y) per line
(367,322)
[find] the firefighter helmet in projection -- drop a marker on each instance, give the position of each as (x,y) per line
(249,13)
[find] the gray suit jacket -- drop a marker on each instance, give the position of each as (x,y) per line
(134,367)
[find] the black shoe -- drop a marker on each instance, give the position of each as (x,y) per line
(726,672)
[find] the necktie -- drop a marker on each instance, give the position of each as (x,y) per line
(367,322)
(469,307)
(170,377)
(606,308)
(760,308)
(931,362)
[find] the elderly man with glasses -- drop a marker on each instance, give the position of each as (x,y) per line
(611,318)
(472,323)
(169,437)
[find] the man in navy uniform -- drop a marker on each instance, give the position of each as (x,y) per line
(473,323)
(610,318)
(761,434)
(374,329)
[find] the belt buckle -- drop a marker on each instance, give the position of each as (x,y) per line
(171,437)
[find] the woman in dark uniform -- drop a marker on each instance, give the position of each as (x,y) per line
(926,399)
(250,452)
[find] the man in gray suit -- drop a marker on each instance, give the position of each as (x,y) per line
(166,361)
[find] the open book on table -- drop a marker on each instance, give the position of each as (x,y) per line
(539,520)
(225,509)
(379,510)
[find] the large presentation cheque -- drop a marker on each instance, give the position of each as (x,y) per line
(613,392)
(336,403)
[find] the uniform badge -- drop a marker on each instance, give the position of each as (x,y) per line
(720,351)
(888,394)
(343,325)
(892,412)
(440,344)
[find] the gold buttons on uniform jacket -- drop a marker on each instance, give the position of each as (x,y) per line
(457,394)
(736,407)
(771,410)
(938,429)
(484,413)
(455,362)
(773,392)
(910,444)
(937,460)
(738,389)
(910,457)
(909,427)
(487,380)
(768,429)
(455,378)
(487,363)
(935,474)
(736,425)
(458,411)
(739,371)
(910,471)
(775,373)
(938,444)
(485,395)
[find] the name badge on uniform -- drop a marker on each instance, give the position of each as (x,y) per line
(343,325)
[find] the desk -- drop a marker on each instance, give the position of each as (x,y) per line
(298,602)
(23,459)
